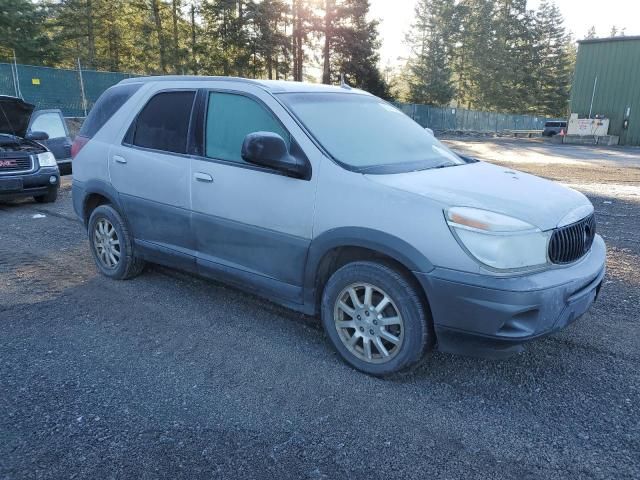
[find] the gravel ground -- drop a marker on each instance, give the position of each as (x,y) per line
(170,376)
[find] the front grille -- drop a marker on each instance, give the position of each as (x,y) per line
(11,165)
(572,242)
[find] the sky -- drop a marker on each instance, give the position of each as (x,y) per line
(396,17)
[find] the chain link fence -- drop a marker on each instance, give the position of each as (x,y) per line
(74,91)
(463,120)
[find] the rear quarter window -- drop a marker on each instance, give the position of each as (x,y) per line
(106,106)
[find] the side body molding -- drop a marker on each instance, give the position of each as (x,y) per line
(382,242)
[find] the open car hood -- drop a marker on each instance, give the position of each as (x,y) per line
(16,116)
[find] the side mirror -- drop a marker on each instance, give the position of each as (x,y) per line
(269,150)
(37,136)
(429,131)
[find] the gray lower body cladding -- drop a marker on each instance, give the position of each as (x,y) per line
(493,317)
(473,314)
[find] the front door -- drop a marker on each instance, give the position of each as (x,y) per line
(52,123)
(151,172)
(251,223)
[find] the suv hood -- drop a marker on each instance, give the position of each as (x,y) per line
(542,203)
(16,116)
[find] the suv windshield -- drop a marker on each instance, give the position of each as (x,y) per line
(368,134)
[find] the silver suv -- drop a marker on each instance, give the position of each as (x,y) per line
(331,201)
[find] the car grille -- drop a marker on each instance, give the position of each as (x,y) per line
(572,242)
(13,165)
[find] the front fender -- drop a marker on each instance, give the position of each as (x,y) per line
(375,240)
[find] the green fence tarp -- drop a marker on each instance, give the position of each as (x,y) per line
(438,118)
(47,87)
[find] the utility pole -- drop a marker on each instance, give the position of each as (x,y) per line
(84,98)
(16,80)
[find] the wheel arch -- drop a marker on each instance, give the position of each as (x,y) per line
(98,193)
(335,248)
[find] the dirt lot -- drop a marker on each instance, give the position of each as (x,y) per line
(170,376)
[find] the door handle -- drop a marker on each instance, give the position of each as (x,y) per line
(119,159)
(203,177)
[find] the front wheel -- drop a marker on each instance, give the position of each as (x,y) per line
(375,318)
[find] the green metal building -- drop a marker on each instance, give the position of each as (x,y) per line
(607,82)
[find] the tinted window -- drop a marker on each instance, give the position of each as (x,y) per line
(50,123)
(230,118)
(163,124)
(108,104)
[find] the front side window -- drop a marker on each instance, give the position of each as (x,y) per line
(163,123)
(368,134)
(230,118)
(50,123)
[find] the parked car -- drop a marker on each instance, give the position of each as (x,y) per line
(331,201)
(51,122)
(554,128)
(27,167)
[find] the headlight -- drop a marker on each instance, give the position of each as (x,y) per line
(47,159)
(496,240)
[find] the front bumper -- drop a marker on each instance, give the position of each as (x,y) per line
(29,184)
(491,316)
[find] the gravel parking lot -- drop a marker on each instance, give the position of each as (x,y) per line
(171,376)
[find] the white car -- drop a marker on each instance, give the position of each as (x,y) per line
(334,203)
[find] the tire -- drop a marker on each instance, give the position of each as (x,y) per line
(412,334)
(49,197)
(112,244)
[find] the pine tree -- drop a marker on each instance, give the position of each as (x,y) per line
(225,38)
(512,67)
(430,64)
(304,22)
(22,29)
(554,66)
(273,48)
(354,48)
(474,43)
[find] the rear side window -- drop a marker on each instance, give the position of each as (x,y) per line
(230,118)
(163,123)
(107,105)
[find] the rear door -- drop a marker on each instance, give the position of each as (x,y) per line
(250,222)
(53,124)
(151,172)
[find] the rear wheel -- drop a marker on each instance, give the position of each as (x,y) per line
(375,318)
(112,244)
(49,197)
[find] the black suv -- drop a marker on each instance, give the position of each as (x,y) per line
(27,168)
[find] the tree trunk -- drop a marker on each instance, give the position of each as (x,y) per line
(155,8)
(194,62)
(176,53)
(91,39)
(295,11)
(328,36)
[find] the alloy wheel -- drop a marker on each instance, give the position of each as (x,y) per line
(106,243)
(368,323)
